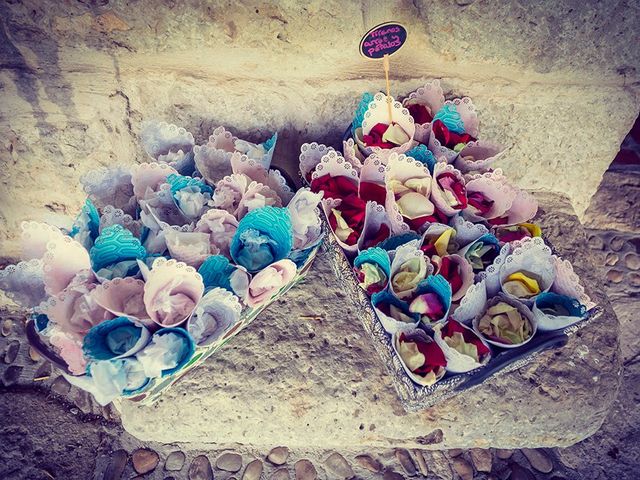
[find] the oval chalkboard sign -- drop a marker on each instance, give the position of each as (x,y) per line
(383,39)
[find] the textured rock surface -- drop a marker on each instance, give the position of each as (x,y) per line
(557,80)
(613,452)
(292,391)
(613,207)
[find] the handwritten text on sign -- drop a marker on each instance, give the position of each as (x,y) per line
(382,40)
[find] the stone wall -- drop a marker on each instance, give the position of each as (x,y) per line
(556,80)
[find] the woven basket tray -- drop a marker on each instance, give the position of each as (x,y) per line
(416,397)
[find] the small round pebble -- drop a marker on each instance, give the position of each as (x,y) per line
(175,461)
(503,453)
(538,459)
(11,353)
(632,261)
(305,470)
(61,386)
(463,468)
(337,465)
(7,325)
(612,259)
(229,462)
(391,475)
(616,243)
(144,461)
(278,455)
(116,466)
(595,242)
(280,474)
(615,276)
(11,375)
(481,459)
(404,457)
(422,464)
(440,464)
(43,370)
(34,355)
(253,470)
(369,463)
(200,469)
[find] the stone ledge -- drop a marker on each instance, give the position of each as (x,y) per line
(305,374)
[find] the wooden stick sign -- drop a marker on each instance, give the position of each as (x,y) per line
(379,43)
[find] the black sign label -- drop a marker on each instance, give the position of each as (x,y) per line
(384,39)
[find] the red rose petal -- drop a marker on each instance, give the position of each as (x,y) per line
(448,138)
(420,113)
(453,326)
(450,270)
(334,187)
(480,202)
(382,234)
(374,192)
(374,138)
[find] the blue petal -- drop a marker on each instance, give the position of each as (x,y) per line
(188,347)
(387,297)
(375,255)
(395,241)
(41,321)
(115,244)
(550,299)
(423,155)
(361,109)
(449,115)
(271,142)
(178,182)
(88,219)
(215,271)
(111,338)
(264,232)
(436,284)
(488,239)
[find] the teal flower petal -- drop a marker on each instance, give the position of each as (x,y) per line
(115,244)
(449,115)
(423,155)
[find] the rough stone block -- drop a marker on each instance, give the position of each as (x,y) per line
(306,374)
(556,81)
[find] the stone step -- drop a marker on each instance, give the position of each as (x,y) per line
(305,374)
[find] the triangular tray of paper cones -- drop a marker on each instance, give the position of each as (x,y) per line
(453,280)
(167,261)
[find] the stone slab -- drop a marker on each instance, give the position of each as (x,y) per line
(557,82)
(305,374)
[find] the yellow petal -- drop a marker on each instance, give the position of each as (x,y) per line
(342,228)
(456,341)
(500,307)
(534,229)
(395,134)
(528,280)
(415,205)
(409,275)
(430,378)
(443,240)
(410,355)
(397,187)
(516,289)
(420,185)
